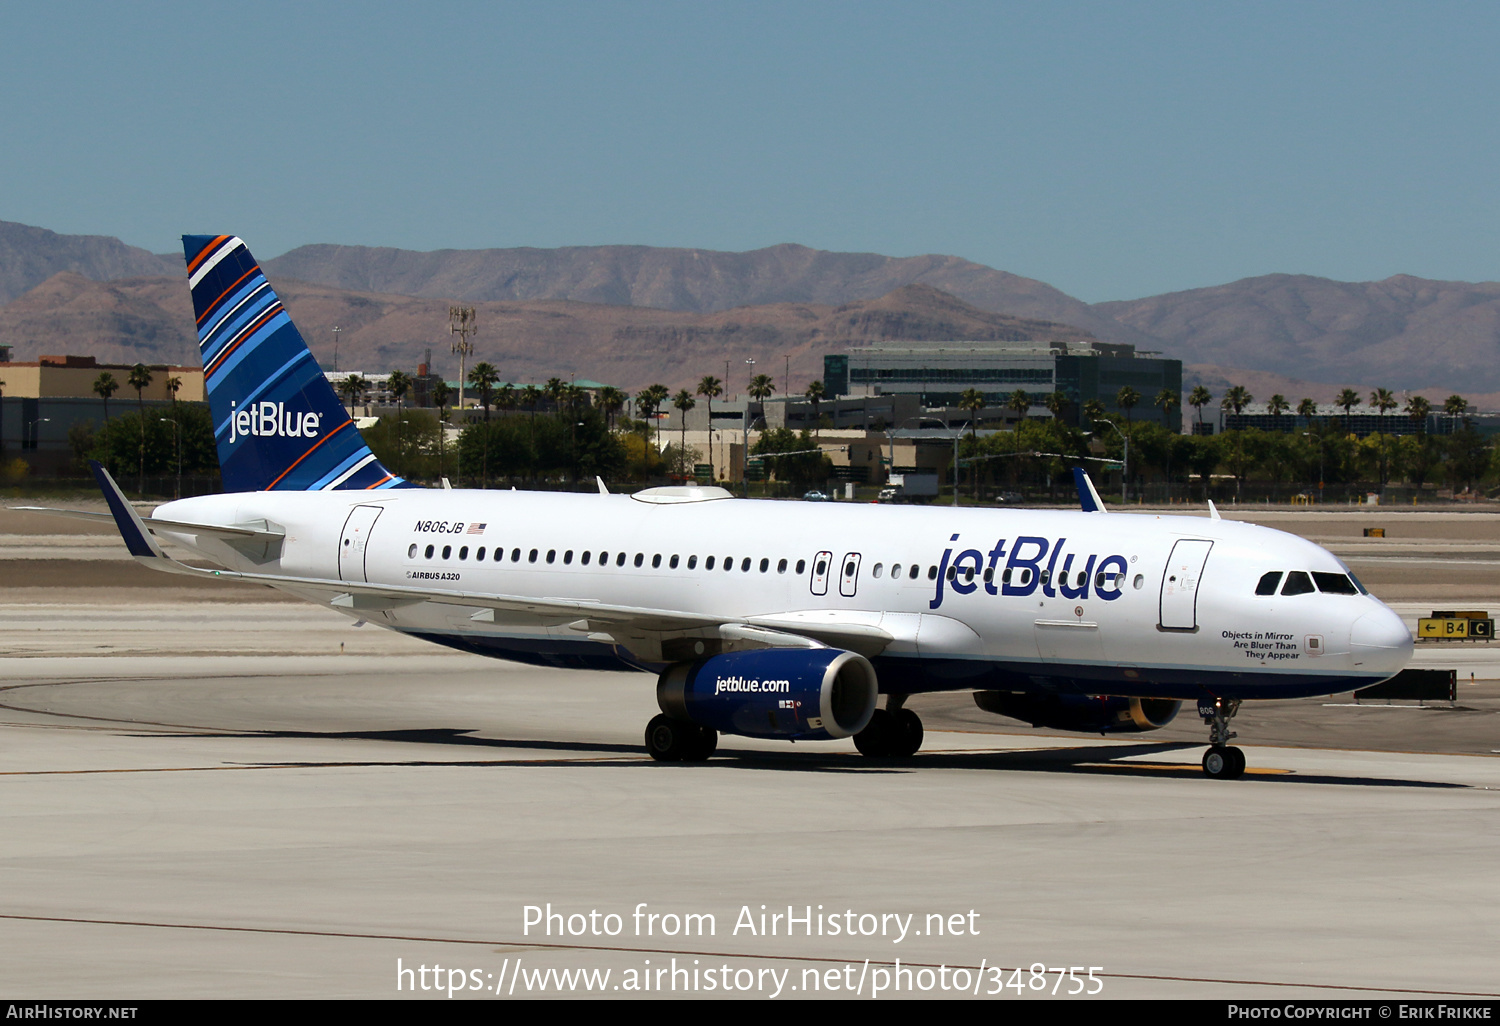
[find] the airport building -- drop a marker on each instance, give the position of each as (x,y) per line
(938,373)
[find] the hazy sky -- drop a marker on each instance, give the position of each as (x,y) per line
(1114,150)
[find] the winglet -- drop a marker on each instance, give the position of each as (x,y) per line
(137,539)
(1088,498)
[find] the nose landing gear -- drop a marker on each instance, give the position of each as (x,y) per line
(1222,761)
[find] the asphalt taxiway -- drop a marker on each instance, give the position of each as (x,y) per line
(217,793)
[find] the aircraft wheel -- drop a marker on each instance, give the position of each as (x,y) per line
(702,743)
(910,737)
(1237,755)
(1219,763)
(880,736)
(669,740)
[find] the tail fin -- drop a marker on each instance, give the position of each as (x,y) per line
(277,422)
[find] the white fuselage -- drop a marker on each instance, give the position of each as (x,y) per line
(1143,605)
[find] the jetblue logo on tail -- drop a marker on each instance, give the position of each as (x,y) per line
(271,420)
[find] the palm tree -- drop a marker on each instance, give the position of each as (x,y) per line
(1057,405)
(139,378)
(1346,400)
(174,385)
(761,388)
(352,388)
(1236,399)
(484,377)
(1276,407)
(1454,406)
(441,393)
(1020,402)
(1418,409)
(710,388)
(648,401)
(398,384)
(816,392)
(1166,401)
(105,386)
(1126,399)
(611,401)
(1093,409)
(1197,399)
(1385,402)
(1307,409)
(684,402)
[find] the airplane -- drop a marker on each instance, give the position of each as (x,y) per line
(759,618)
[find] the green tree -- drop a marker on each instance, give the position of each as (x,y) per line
(1276,407)
(1347,400)
(1167,400)
(1126,399)
(816,392)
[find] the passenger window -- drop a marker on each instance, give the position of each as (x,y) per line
(801,565)
(619,559)
(1334,584)
(708,564)
(877,569)
(499,554)
(932,573)
(1005,577)
(656,561)
(584,559)
(692,562)
(411,553)
(429,552)
(640,558)
(745,565)
(551,555)
(821,568)
(531,557)
(1140,581)
(447,551)
(480,554)
(765,564)
(781,567)
(952,572)
(672,563)
(1268,583)
(515,555)
(1297,583)
(989,574)
(895,571)
(568,558)
(1046,577)
(728,562)
(463,553)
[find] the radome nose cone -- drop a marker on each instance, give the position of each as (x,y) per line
(1380,636)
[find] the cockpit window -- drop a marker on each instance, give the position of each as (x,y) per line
(1267,585)
(1334,584)
(1297,583)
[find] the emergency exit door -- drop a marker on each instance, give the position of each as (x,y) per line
(1180,584)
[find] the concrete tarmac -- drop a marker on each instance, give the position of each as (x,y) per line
(218,793)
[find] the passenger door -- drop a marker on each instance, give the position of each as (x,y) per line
(354,541)
(822,563)
(849,574)
(1178,609)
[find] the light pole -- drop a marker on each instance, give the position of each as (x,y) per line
(745,429)
(1125,464)
(336,330)
(461,322)
(177,443)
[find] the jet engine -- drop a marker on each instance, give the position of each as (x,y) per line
(806,694)
(1101,714)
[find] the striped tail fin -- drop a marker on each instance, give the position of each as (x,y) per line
(277,422)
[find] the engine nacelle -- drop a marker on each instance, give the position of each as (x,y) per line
(811,694)
(1096,714)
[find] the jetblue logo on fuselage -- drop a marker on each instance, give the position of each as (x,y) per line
(272,420)
(1071,575)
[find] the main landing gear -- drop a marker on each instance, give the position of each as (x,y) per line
(1222,761)
(893,732)
(670,740)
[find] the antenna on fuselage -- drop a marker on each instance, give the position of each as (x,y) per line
(602,490)
(1213,511)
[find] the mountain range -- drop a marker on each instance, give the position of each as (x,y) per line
(634,314)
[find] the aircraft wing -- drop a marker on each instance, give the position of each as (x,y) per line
(591,616)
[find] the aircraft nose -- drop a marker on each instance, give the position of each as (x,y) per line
(1379,639)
